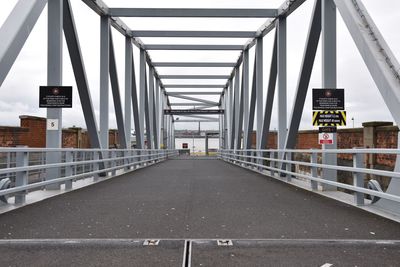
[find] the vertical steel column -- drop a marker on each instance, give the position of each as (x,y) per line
(128,90)
(142,92)
(149,134)
(259,90)
(235,110)
(252,107)
(135,107)
(225,133)
(54,78)
(239,127)
(282,80)
(230,112)
(328,21)
(104,79)
(151,105)
(157,108)
(245,99)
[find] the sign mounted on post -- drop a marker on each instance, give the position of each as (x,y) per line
(328,99)
(55,97)
(325,135)
(329,118)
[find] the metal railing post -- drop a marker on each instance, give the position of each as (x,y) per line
(272,163)
(21,177)
(69,158)
(288,166)
(96,157)
(314,170)
(358,178)
(114,163)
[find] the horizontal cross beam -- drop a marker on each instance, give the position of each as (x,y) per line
(192,47)
(194,86)
(191,12)
(193,93)
(193,111)
(208,120)
(196,64)
(200,34)
(194,76)
(194,104)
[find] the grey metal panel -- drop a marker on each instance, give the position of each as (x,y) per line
(282,82)
(209,77)
(203,34)
(305,74)
(259,90)
(252,107)
(15,30)
(195,64)
(104,79)
(378,57)
(198,86)
(54,78)
(116,96)
(192,12)
(80,75)
(196,99)
(191,47)
(192,93)
(128,90)
(270,96)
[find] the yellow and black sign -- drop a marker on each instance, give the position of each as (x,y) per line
(329,118)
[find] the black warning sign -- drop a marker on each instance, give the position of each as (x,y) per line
(328,99)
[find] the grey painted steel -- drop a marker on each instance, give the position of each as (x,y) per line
(202,34)
(195,64)
(72,40)
(192,47)
(194,86)
(270,95)
(142,90)
(117,97)
(135,106)
(305,74)
(239,132)
(208,77)
(195,99)
(105,33)
(15,31)
(147,118)
(236,103)
(230,111)
(282,82)
(128,91)
(153,111)
(208,120)
(191,12)
(358,178)
(158,110)
(21,178)
(259,90)
(252,107)
(225,129)
(192,93)
(378,57)
(194,104)
(328,42)
(54,78)
(245,98)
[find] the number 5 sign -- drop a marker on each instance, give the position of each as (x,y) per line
(52,124)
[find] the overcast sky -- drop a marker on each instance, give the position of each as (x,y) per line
(20,90)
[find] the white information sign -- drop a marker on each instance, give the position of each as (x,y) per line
(52,124)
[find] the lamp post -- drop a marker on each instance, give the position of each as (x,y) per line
(352,119)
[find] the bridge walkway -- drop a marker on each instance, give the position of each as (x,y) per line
(193,199)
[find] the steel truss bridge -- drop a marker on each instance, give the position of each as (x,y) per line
(249,205)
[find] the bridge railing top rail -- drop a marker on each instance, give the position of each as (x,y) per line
(325,151)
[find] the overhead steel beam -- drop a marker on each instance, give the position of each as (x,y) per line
(202,34)
(216,120)
(195,64)
(116,97)
(207,77)
(192,93)
(194,104)
(196,99)
(377,55)
(192,47)
(15,32)
(220,86)
(198,117)
(74,49)
(193,12)
(314,33)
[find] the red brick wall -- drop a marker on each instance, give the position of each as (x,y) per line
(12,136)
(36,136)
(386,137)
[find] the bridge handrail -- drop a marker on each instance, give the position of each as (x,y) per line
(253,158)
